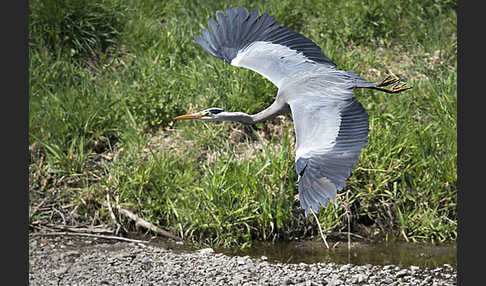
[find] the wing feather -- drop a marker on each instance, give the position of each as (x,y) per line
(207,37)
(246,27)
(231,16)
(216,36)
(326,154)
(205,45)
(241,15)
(222,29)
(283,35)
(260,43)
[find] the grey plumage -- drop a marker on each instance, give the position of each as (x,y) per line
(336,165)
(331,126)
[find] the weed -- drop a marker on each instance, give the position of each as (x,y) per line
(75,28)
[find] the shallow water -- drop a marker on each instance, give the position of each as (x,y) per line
(397,253)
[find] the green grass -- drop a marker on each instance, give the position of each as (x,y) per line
(103,91)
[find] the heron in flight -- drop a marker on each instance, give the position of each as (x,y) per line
(331,126)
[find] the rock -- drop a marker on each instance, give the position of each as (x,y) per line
(61,271)
(401,273)
(287,281)
(242,260)
(71,253)
(414,268)
(361,278)
(346,267)
(123,255)
(206,251)
(334,280)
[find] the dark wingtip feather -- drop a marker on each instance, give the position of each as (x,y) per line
(242,11)
(315,191)
(205,45)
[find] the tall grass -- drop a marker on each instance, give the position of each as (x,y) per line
(107,77)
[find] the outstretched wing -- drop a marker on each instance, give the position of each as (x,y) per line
(330,131)
(260,44)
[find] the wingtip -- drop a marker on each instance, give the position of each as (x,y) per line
(242,11)
(212,25)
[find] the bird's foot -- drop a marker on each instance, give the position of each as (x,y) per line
(388,80)
(397,87)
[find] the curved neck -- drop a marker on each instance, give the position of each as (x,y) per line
(235,116)
(272,111)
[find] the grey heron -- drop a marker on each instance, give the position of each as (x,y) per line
(331,126)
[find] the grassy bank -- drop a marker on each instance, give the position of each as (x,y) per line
(106,78)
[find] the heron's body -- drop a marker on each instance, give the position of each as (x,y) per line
(331,126)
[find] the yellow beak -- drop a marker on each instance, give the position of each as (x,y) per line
(189,116)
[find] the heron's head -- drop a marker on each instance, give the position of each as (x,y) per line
(212,113)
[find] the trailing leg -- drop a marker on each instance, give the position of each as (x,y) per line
(397,85)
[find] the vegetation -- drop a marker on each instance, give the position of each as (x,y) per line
(106,77)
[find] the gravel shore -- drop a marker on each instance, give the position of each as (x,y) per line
(88,261)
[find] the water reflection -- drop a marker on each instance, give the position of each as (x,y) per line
(397,253)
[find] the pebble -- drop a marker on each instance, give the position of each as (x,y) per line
(61,270)
(360,278)
(206,251)
(401,273)
(414,268)
(346,267)
(241,260)
(124,263)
